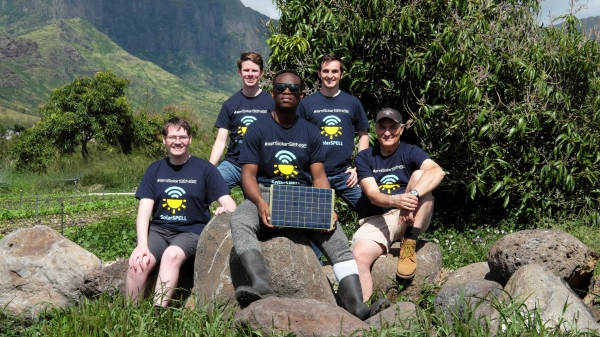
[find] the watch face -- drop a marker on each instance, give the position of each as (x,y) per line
(414,192)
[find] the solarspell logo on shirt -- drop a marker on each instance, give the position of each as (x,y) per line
(285,167)
(389,183)
(331,128)
(246,121)
(174,203)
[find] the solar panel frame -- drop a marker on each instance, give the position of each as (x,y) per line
(301,207)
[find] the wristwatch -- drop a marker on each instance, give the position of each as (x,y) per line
(414,192)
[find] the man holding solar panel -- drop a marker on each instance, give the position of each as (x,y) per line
(397,179)
(286,150)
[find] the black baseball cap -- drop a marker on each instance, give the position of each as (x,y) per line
(390,113)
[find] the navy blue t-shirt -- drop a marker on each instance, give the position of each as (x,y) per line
(338,118)
(392,173)
(182,194)
(236,114)
(283,155)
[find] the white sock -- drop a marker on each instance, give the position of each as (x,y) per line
(343,269)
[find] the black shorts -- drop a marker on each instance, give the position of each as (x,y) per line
(159,239)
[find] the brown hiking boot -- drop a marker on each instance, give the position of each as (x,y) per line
(407,262)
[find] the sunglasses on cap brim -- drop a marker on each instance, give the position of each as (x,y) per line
(280,87)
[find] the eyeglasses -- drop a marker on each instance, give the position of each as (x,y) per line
(180,138)
(294,88)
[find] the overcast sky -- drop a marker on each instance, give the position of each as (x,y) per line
(556,7)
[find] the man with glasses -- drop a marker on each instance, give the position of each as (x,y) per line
(397,179)
(237,113)
(174,196)
(282,139)
(338,115)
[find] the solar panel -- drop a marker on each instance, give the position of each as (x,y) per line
(301,207)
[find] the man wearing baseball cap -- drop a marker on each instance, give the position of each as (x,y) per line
(397,179)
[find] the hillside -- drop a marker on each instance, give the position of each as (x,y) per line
(72,48)
(184,37)
(591,25)
(172,51)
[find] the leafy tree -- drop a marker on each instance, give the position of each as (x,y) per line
(510,109)
(89,108)
(32,150)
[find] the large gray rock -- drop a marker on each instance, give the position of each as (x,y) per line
(111,280)
(429,265)
(295,271)
(402,314)
(561,252)
(39,265)
(550,295)
(304,317)
(475,271)
(473,296)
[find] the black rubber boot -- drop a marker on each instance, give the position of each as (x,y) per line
(350,294)
(256,267)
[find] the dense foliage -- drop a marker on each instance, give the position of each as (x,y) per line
(510,109)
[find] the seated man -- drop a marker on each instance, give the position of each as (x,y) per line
(282,132)
(175,193)
(397,180)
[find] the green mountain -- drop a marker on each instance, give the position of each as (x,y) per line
(74,48)
(172,51)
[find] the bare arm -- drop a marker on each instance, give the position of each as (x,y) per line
(227,204)
(363,139)
(140,257)
(431,178)
(218,146)
(252,191)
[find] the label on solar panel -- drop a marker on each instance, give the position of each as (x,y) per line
(301,207)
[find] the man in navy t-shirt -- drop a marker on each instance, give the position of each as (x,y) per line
(285,149)
(237,113)
(397,180)
(174,195)
(338,115)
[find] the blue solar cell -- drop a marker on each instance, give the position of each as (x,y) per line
(301,207)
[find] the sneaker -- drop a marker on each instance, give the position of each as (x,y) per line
(407,262)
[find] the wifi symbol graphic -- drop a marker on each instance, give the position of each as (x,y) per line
(175,192)
(389,183)
(389,179)
(331,120)
(248,120)
(330,129)
(286,169)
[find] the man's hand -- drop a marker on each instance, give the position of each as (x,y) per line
(407,203)
(335,220)
(353,179)
(264,214)
(140,258)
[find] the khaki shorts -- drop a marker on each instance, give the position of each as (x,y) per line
(383,229)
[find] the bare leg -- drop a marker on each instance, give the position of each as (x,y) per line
(365,252)
(168,275)
(136,280)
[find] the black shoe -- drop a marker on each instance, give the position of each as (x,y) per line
(350,294)
(260,276)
